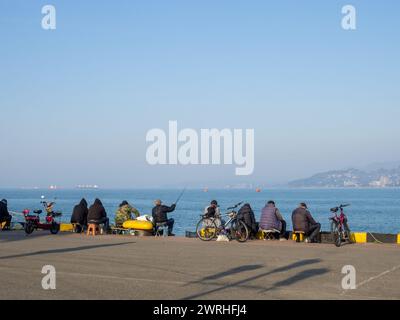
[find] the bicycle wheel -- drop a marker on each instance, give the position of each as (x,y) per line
(240,231)
(336,234)
(55,227)
(29,227)
(206,229)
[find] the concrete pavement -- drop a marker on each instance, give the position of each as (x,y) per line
(127,267)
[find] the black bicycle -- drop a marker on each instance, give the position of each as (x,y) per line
(209,228)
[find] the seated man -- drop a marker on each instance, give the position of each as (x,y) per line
(160,215)
(271,218)
(79,215)
(5,215)
(213,211)
(98,215)
(303,221)
(124,213)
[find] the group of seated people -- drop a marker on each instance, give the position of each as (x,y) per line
(96,214)
(272,219)
(302,221)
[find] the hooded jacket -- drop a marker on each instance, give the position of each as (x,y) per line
(80,213)
(246,214)
(3,209)
(96,211)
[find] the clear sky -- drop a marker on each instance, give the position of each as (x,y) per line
(76,102)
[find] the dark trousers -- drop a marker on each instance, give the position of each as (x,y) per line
(106,223)
(7,220)
(313,232)
(170,224)
(79,227)
(283,233)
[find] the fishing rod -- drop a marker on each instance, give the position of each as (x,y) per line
(180,196)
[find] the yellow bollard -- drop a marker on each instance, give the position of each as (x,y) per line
(66,227)
(359,237)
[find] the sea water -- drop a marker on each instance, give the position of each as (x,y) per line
(374,210)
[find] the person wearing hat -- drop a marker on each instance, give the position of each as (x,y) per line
(213,211)
(124,213)
(303,221)
(5,215)
(159,214)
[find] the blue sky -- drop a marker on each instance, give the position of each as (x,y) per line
(76,102)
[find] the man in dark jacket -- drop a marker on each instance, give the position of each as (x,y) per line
(98,215)
(5,215)
(303,221)
(79,214)
(246,214)
(159,214)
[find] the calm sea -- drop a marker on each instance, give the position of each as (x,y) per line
(375,210)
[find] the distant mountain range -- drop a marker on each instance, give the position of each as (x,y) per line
(379,176)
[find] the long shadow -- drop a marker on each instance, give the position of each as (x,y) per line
(233,271)
(243,283)
(306,274)
(64,250)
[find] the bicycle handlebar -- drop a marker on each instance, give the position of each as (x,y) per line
(235,206)
(335,209)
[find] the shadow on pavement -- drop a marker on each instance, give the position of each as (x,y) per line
(233,271)
(297,278)
(64,250)
(20,235)
(244,283)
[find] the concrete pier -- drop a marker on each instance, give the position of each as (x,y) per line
(128,267)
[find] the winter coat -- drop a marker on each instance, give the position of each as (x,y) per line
(160,213)
(124,213)
(96,211)
(270,218)
(246,215)
(4,210)
(80,213)
(302,220)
